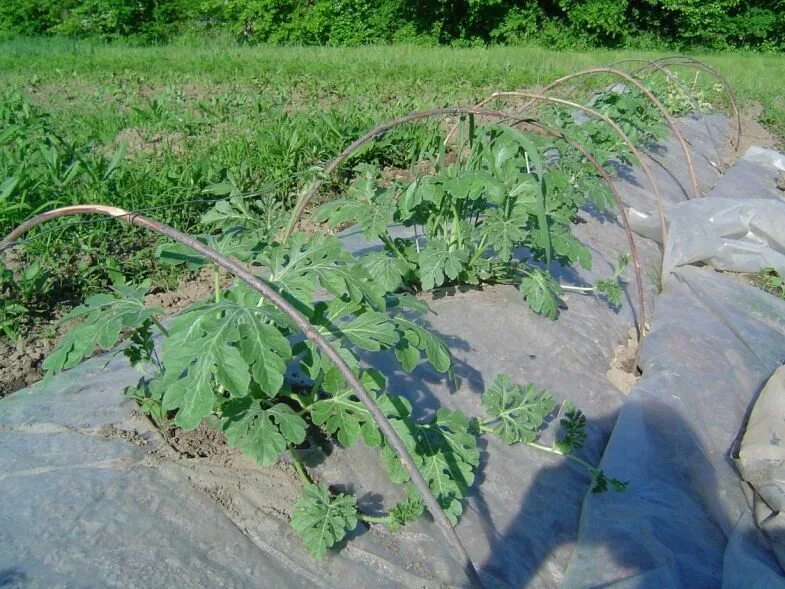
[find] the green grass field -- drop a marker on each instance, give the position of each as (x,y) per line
(165,128)
(75,77)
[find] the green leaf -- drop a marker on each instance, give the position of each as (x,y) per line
(574,425)
(220,344)
(445,452)
(371,331)
(226,214)
(263,434)
(369,206)
(416,337)
(473,184)
(266,350)
(536,166)
(308,261)
(192,395)
(567,247)
(343,415)
(372,217)
(174,254)
(448,457)
(611,289)
(411,198)
(541,293)
(406,511)
(504,233)
(7,187)
(118,156)
(103,318)
(234,243)
(385,269)
(518,413)
(322,520)
(438,262)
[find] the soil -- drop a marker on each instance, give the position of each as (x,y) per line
(752,133)
(756,279)
(22,359)
(231,479)
(202,456)
(623,372)
(140,142)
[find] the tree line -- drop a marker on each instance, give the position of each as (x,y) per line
(643,24)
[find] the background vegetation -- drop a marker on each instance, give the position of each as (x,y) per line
(646,24)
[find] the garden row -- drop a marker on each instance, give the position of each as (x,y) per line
(492,200)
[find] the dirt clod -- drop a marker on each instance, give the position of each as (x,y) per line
(623,372)
(203,442)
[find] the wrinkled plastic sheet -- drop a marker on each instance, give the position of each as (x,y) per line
(81,508)
(741,235)
(667,164)
(93,495)
(761,462)
(754,175)
(739,226)
(685,520)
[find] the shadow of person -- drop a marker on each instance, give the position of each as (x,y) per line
(668,528)
(12,577)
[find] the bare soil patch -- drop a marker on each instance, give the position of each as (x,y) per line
(752,133)
(22,359)
(623,371)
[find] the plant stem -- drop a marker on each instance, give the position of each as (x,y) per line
(317,384)
(478,252)
(160,326)
(373,519)
(299,468)
(390,245)
(570,287)
(485,428)
(217,283)
(590,467)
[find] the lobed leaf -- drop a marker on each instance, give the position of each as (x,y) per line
(224,344)
(520,412)
(343,415)
(438,263)
(388,271)
(322,520)
(541,293)
(103,319)
(308,261)
(263,434)
(445,452)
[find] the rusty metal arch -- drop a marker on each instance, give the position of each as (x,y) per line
(271,294)
(662,65)
(652,98)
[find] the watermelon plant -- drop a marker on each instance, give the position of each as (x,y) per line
(500,212)
(224,361)
(498,207)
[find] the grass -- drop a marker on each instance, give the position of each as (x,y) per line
(402,76)
(199,120)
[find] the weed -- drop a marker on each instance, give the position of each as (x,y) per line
(772,282)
